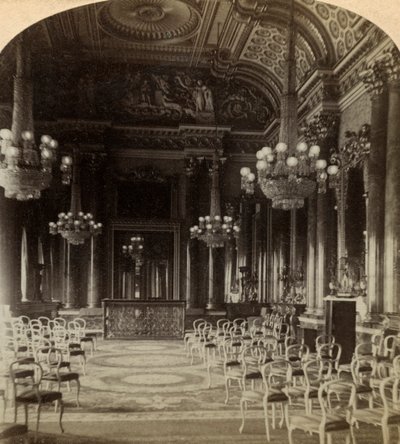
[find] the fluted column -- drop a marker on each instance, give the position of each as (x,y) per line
(191,214)
(311,252)
(323,130)
(392,189)
(92,166)
(374,80)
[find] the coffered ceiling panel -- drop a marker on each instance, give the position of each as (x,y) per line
(232,39)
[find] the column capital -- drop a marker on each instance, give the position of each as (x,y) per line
(93,162)
(355,149)
(390,62)
(374,79)
(322,127)
(382,70)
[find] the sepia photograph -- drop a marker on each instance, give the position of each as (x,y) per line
(199,222)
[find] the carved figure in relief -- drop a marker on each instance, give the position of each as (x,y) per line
(198,96)
(200,93)
(145,93)
(208,99)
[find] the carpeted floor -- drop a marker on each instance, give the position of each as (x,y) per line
(147,392)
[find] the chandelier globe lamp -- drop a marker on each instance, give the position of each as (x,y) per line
(25,168)
(75,226)
(291,171)
(135,249)
(287,177)
(215,230)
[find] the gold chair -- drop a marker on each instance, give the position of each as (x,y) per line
(55,370)
(274,378)
(386,416)
(26,380)
(330,420)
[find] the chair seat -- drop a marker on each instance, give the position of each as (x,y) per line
(31,396)
(252,396)
(76,352)
(298,372)
(374,416)
(232,363)
(63,377)
(253,375)
(19,374)
(301,391)
(312,423)
(27,360)
(277,396)
(210,345)
(361,388)
(11,430)
(365,368)
(87,339)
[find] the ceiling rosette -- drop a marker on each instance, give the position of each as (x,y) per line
(155,21)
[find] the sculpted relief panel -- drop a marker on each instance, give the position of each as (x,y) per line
(154,96)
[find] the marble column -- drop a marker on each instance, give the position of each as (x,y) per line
(321,283)
(327,124)
(392,191)
(93,281)
(311,252)
(376,169)
(92,166)
(69,298)
(190,215)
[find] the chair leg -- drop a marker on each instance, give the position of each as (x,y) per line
(322,438)
(290,433)
(265,405)
(78,389)
(227,390)
(60,417)
(38,417)
(243,408)
(385,433)
(273,415)
(15,411)
(26,414)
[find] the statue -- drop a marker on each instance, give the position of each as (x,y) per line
(208,99)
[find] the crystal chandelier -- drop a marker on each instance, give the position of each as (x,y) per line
(22,174)
(290,172)
(25,169)
(288,178)
(214,229)
(134,250)
(74,226)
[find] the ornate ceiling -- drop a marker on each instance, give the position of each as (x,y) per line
(185,32)
(234,40)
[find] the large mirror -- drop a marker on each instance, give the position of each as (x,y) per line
(145,262)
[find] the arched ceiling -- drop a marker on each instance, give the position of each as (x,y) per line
(184,32)
(251,36)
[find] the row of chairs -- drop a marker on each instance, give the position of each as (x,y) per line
(287,371)
(40,352)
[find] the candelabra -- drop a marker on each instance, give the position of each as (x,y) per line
(214,229)
(134,250)
(74,226)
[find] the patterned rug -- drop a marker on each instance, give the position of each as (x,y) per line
(147,392)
